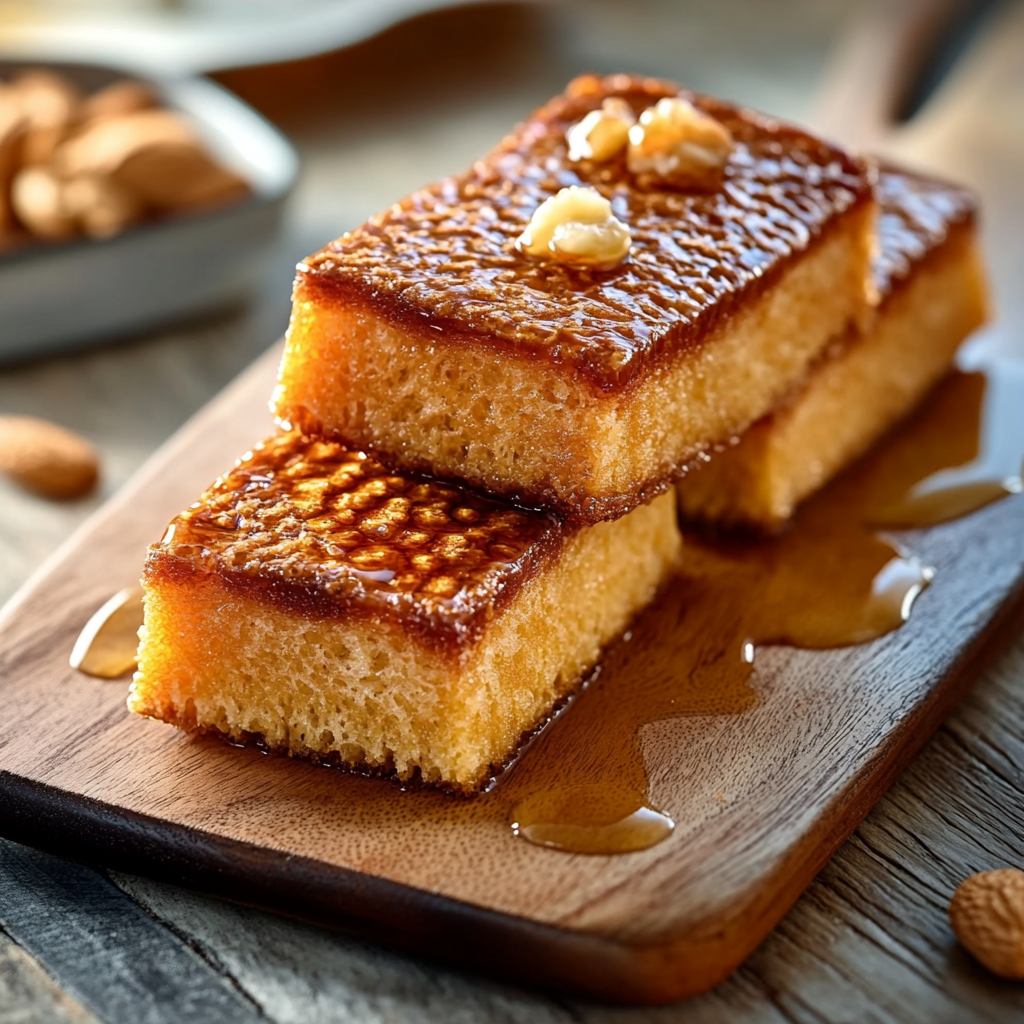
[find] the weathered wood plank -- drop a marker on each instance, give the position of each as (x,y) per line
(28,995)
(815,978)
(105,951)
(300,974)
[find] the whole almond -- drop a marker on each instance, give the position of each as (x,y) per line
(46,98)
(176,176)
(46,458)
(12,136)
(987,914)
(51,105)
(102,147)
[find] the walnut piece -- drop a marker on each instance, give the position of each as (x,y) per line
(577,226)
(987,914)
(603,133)
(676,144)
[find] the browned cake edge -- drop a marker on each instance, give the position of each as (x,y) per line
(333,290)
(441,634)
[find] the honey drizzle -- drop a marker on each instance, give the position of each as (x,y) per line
(107,646)
(830,580)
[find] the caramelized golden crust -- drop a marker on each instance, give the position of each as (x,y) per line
(442,263)
(315,527)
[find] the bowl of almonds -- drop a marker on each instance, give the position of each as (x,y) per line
(127,203)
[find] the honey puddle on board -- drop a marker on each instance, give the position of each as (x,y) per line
(831,579)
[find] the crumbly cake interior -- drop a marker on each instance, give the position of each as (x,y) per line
(427,336)
(931,279)
(334,609)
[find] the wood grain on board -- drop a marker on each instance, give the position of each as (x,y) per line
(761,798)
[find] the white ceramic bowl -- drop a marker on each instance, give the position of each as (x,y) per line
(60,295)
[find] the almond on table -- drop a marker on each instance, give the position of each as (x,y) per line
(987,915)
(47,458)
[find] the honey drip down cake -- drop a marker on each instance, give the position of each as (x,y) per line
(332,608)
(933,293)
(429,336)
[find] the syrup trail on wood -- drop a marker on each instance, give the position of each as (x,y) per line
(830,580)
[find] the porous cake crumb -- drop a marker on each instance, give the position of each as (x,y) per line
(931,281)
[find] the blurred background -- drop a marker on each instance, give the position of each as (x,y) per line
(378,97)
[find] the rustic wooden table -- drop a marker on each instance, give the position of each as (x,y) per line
(869,940)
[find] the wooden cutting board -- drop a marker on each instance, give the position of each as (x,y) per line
(761,796)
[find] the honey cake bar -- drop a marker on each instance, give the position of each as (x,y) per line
(931,279)
(427,335)
(329,607)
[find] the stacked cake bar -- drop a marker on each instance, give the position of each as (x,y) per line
(336,608)
(932,294)
(427,335)
(487,395)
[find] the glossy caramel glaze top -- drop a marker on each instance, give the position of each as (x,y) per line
(326,531)
(444,259)
(915,217)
